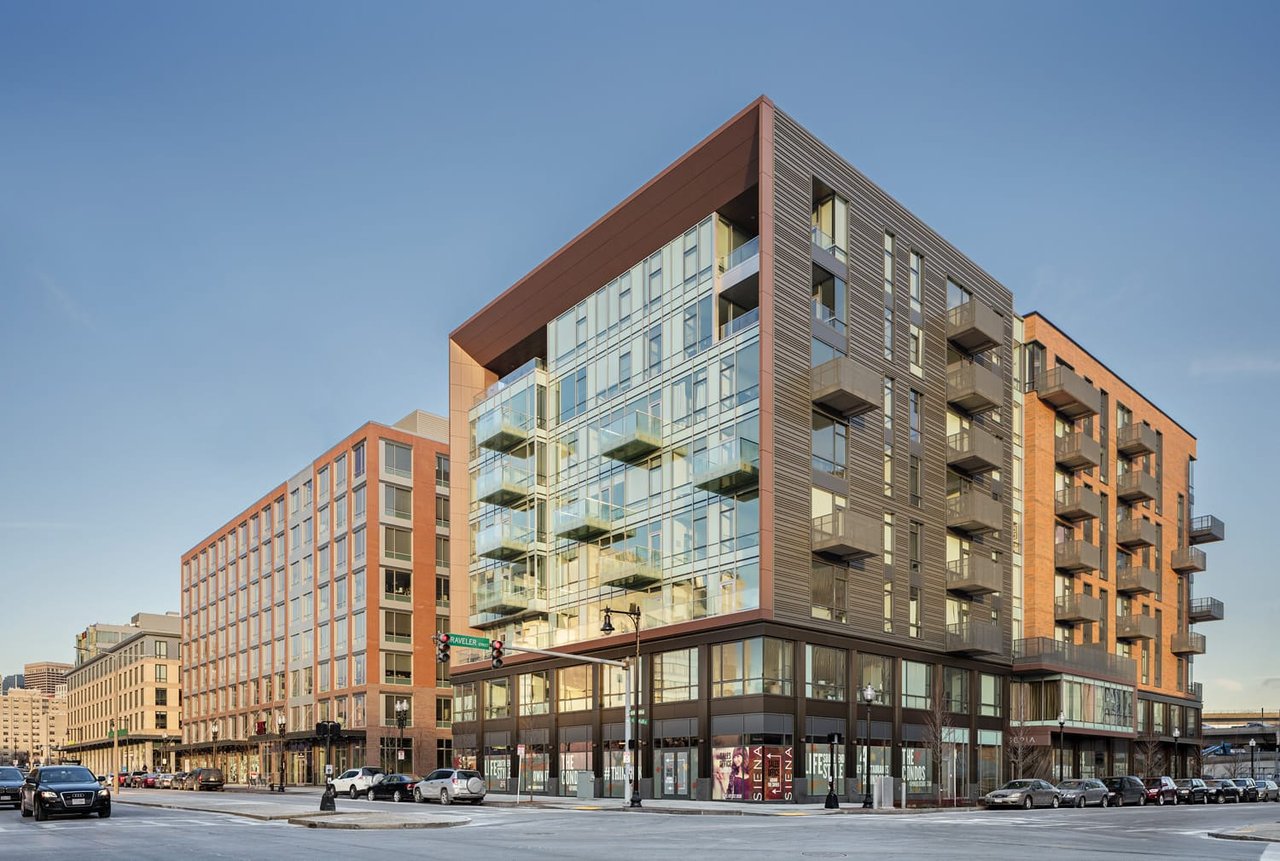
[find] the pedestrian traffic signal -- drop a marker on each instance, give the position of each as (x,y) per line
(495,654)
(442,648)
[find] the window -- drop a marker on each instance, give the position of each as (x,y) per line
(442,551)
(888,334)
(162,649)
(917,283)
(389,702)
(497,698)
(830,444)
(442,471)
(888,268)
(914,478)
(877,671)
(828,588)
(830,299)
(340,472)
(887,555)
(916,414)
(442,591)
(888,469)
(162,720)
(397,543)
(826,669)
(162,672)
(955,690)
(913,612)
(442,510)
(888,606)
(574,688)
(444,712)
(917,685)
(675,676)
(397,668)
(535,693)
(755,666)
(357,503)
(916,346)
(397,585)
(397,501)
(397,627)
(162,696)
(990,692)
(464,701)
(397,459)
(357,460)
(358,545)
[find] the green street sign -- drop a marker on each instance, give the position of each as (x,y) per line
(119,733)
(466,641)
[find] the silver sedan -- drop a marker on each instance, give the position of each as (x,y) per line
(1079,793)
(1025,793)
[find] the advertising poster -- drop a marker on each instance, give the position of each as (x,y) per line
(752,773)
(731,774)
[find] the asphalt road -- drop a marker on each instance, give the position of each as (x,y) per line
(502,833)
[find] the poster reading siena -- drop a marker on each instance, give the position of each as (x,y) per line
(753,773)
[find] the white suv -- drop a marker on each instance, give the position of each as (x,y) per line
(356,781)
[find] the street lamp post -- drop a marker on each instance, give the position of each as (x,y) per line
(1177,751)
(868,697)
(402,715)
(1062,731)
(1253,747)
(280,725)
(115,758)
(833,800)
(632,613)
(213,731)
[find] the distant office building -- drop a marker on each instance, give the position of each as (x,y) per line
(12,681)
(45,676)
(33,726)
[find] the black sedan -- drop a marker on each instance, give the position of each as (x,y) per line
(1248,789)
(10,786)
(1223,791)
(397,787)
(63,790)
(1125,790)
(1193,790)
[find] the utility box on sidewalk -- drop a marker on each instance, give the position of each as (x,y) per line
(883,795)
(586,785)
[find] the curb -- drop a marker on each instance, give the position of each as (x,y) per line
(261,817)
(309,822)
(1230,835)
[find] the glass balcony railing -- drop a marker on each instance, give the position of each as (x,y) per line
(744,252)
(505,539)
(505,596)
(503,428)
(727,467)
(739,323)
(586,519)
(504,484)
(825,242)
(631,437)
(510,380)
(630,567)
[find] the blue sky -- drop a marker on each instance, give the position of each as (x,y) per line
(231,233)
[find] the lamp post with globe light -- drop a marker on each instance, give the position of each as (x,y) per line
(869,695)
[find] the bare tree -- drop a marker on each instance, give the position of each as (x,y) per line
(1151,755)
(1235,766)
(937,722)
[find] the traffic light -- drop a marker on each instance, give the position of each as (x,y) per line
(442,648)
(495,653)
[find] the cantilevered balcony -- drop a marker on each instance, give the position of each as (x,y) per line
(505,596)
(1049,655)
(974,575)
(586,519)
(1075,555)
(1187,643)
(1068,392)
(503,428)
(1206,528)
(974,387)
(1136,580)
(1135,440)
(728,467)
(1076,450)
(974,637)
(1206,610)
(847,535)
(503,484)
(846,386)
(1135,532)
(974,327)
(1077,503)
(974,450)
(505,539)
(1076,608)
(973,510)
(630,567)
(1136,486)
(1135,627)
(632,437)
(1188,560)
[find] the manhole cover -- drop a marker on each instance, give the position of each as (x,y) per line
(824,854)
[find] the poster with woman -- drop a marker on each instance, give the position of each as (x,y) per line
(731,774)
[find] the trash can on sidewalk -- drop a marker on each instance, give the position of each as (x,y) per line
(586,785)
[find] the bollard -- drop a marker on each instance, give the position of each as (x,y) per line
(327,801)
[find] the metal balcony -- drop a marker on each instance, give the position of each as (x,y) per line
(846,387)
(1206,610)
(975,575)
(1135,627)
(1077,503)
(1136,580)
(1136,486)
(1206,528)
(504,540)
(1076,450)
(633,437)
(974,327)
(974,388)
(1044,654)
(503,484)
(974,450)
(1075,555)
(586,519)
(630,567)
(1135,532)
(1187,643)
(974,511)
(847,535)
(1188,560)
(974,637)
(1135,440)
(1076,608)
(1068,393)
(502,429)
(727,467)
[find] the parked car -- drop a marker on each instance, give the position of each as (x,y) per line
(60,790)
(1192,790)
(165,781)
(1125,790)
(1248,789)
(1026,793)
(1078,793)
(134,779)
(397,787)
(150,779)
(178,778)
(209,779)
(356,781)
(1223,791)
(1161,790)
(1268,790)
(11,786)
(448,785)
(189,781)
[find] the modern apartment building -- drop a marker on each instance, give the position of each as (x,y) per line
(317,603)
(33,725)
(768,408)
(124,702)
(1109,561)
(99,637)
(45,676)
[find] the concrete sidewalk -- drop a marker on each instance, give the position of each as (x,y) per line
(1268,832)
(703,808)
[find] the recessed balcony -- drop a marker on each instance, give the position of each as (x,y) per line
(1206,610)
(974,450)
(632,437)
(1076,608)
(974,637)
(974,510)
(1206,528)
(503,428)
(1136,580)
(1135,627)
(974,327)
(1135,532)
(1077,503)
(1136,486)
(728,467)
(973,387)
(1068,392)
(506,539)
(1135,440)
(847,535)
(505,484)
(1076,451)
(974,575)
(1075,555)
(740,264)
(846,387)
(630,567)
(1187,643)
(1188,560)
(587,519)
